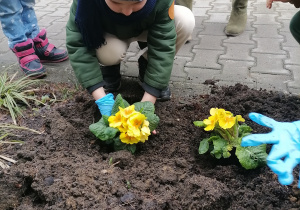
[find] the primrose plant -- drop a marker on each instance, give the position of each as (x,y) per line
(226,134)
(128,125)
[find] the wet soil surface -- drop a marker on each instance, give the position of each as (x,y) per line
(66,167)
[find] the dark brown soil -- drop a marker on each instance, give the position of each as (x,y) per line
(66,167)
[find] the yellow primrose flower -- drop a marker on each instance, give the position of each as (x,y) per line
(145,131)
(127,112)
(222,113)
(227,121)
(210,122)
(125,138)
(240,118)
(213,111)
(115,121)
(134,123)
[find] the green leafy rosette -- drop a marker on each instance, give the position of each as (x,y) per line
(127,125)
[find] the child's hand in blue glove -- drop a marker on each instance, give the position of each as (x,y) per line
(105,104)
(285,153)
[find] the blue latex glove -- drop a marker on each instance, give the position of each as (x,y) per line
(105,104)
(286,139)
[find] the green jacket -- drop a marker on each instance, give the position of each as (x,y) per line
(161,42)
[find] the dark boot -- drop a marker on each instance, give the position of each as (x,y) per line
(48,52)
(165,94)
(28,60)
(112,77)
(238,18)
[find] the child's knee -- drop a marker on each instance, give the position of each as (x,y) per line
(111,54)
(184,19)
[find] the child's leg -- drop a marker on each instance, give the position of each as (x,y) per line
(29,18)
(113,52)
(110,55)
(295,26)
(11,21)
(185,23)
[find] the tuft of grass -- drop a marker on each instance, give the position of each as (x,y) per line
(13,92)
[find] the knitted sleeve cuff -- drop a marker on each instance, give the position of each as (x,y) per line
(94,87)
(151,90)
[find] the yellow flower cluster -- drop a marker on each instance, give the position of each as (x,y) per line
(225,119)
(133,125)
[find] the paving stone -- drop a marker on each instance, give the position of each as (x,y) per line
(235,72)
(200,11)
(269,46)
(295,82)
(294,53)
(272,82)
(265,19)
(186,49)
(269,64)
(286,15)
(205,59)
(202,3)
(267,31)
(260,8)
(216,29)
(60,12)
(178,67)
(237,52)
(200,75)
(289,40)
(217,18)
(210,42)
(220,7)
(4,45)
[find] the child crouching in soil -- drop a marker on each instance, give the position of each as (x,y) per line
(101,31)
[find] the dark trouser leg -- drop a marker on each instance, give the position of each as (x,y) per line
(112,77)
(165,94)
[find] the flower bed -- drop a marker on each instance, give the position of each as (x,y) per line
(67,167)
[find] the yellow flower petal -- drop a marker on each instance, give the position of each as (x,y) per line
(128,139)
(240,118)
(135,122)
(210,122)
(115,121)
(227,122)
(128,111)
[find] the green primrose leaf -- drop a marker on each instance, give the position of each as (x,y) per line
(199,123)
(220,148)
(105,119)
(243,129)
(153,121)
(131,148)
(252,157)
(102,131)
(119,101)
(204,146)
(144,107)
(118,145)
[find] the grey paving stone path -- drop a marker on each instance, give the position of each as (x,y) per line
(265,56)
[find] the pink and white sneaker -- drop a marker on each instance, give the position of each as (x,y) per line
(48,52)
(28,60)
